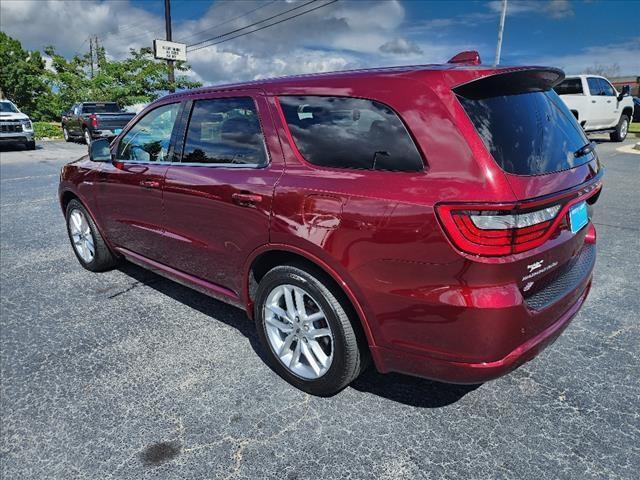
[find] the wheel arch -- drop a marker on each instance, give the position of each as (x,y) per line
(66,196)
(628,111)
(265,258)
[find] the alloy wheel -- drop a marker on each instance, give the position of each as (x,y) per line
(81,236)
(623,129)
(298,331)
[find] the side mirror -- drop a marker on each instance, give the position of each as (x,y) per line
(100,151)
(625,92)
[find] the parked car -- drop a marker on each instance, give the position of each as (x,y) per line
(597,105)
(15,126)
(636,109)
(89,120)
(433,218)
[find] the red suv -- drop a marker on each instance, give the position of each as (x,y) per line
(434,219)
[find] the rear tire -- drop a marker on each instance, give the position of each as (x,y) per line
(621,130)
(88,245)
(318,372)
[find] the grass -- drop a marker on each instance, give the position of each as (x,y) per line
(634,127)
(47,130)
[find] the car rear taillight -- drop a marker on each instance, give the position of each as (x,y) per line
(94,120)
(490,231)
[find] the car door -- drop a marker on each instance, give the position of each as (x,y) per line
(598,108)
(612,111)
(217,200)
(129,194)
(73,120)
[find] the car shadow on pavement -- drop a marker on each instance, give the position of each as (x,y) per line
(412,391)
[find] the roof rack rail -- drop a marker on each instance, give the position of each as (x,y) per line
(470,57)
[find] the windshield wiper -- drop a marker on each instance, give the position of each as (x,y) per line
(582,151)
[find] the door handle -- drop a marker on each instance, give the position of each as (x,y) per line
(150,183)
(593,101)
(246,199)
(608,101)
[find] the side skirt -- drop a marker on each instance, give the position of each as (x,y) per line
(211,289)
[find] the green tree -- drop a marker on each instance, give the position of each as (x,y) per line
(22,78)
(138,78)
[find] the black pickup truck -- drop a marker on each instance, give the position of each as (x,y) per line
(89,120)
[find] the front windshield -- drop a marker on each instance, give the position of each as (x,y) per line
(6,107)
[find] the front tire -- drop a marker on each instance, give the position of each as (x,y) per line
(31,145)
(304,326)
(621,130)
(87,136)
(88,245)
(65,134)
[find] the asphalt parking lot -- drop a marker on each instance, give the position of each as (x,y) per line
(126,375)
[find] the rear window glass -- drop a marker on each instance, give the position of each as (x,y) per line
(528,133)
(100,108)
(344,132)
(570,86)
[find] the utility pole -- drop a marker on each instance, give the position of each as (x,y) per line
(500,31)
(167,21)
(91,53)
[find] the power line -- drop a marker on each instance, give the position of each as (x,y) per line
(227,21)
(251,25)
(263,27)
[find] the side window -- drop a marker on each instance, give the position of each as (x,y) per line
(224,131)
(570,86)
(148,140)
(606,88)
(594,86)
(345,132)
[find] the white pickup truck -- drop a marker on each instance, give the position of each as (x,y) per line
(15,126)
(597,104)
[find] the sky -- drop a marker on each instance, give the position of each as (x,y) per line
(570,34)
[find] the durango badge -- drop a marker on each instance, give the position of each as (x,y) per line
(535,265)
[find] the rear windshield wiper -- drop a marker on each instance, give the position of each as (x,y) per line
(582,151)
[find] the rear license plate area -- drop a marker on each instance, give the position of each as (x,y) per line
(578,216)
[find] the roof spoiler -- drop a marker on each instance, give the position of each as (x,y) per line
(511,82)
(468,57)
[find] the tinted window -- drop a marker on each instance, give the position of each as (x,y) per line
(571,86)
(606,88)
(595,87)
(149,139)
(100,108)
(226,131)
(528,133)
(348,132)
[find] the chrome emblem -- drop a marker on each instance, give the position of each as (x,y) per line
(535,265)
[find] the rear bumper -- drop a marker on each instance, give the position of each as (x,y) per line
(422,365)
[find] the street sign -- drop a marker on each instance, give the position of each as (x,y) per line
(165,50)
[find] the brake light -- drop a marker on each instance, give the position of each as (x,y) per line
(94,120)
(501,231)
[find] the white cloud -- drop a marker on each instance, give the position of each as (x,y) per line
(400,46)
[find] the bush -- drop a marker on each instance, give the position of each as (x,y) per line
(47,130)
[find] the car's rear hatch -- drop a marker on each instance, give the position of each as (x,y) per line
(552,170)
